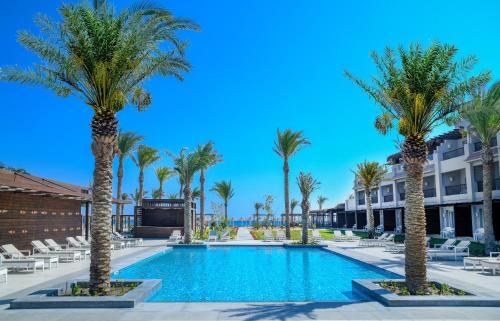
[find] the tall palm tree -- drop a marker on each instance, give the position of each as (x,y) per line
(369,175)
(225,191)
(119,223)
(103,57)
(145,157)
(420,91)
(258,206)
(186,164)
(321,200)
(208,158)
(483,113)
(307,185)
(163,173)
(287,144)
(293,205)
(127,143)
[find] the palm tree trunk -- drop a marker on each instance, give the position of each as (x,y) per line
(286,170)
(141,186)
(160,190)
(202,202)
(305,219)
(104,137)
(415,253)
(370,221)
(180,191)
(187,215)
(225,210)
(257,218)
(489,233)
(119,175)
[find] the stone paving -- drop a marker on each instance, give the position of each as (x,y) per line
(258,310)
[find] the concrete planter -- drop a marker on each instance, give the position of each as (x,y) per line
(373,290)
(49,299)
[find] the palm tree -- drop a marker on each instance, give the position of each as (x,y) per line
(483,113)
(146,156)
(208,158)
(186,164)
(163,173)
(258,206)
(287,144)
(225,191)
(103,57)
(307,185)
(421,90)
(293,205)
(136,196)
(195,194)
(119,224)
(127,143)
(172,195)
(369,175)
(321,200)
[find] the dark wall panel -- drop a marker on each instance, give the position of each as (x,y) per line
(463,220)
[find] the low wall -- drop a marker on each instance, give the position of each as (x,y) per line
(155,231)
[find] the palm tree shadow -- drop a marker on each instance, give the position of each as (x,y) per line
(280,311)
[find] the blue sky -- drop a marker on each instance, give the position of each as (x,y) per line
(257,66)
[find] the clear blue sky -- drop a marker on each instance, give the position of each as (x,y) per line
(257,66)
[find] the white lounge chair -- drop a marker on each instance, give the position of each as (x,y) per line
(212,236)
(65,255)
(475,261)
(137,240)
(280,235)
(25,264)
(448,244)
(350,235)
(268,235)
(54,246)
(14,253)
(370,242)
(491,263)
(461,249)
(316,236)
(175,236)
(225,236)
(3,273)
(338,236)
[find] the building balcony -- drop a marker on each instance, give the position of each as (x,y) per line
(496,185)
(453,153)
(361,201)
(375,199)
(388,198)
(429,192)
(456,189)
(402,196)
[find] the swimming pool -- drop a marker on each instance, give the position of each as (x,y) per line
(247,273)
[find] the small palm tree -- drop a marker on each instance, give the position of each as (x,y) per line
(172,196)
(321,200)
(293,205)
(103,57)
(225,191)
(119,223)
(195,194)
(127,143)
(258,206)
(187,164)
(136,196)
(163,174)
(483,113)
(145,157)
(369,175)
(287,144)
(208,158)
(420,91)
(307,185)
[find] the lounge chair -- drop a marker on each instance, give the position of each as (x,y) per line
(491,263)
(461,249)
(475,261)
(82,243)
(225,236)
(212,236)
(338,236)
(379,229)
(354,227)
(175,236)
(375,241)
(448,244)
(268,235)
(54,246)
(280,235)
(137,240)
(14,253)
(65,255)
(25,264)
(316,236)
(3,273)
(400,247)
(350,235)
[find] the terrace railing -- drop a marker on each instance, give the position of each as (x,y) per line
(361,201)
(456,189)
(453,153)
(496,185)
(388,198)
(429,192)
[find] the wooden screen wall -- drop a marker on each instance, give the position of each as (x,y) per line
(25,217)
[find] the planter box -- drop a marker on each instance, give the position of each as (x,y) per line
(373,290)
(49,299)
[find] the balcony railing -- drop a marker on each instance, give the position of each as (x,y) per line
(430,192)
(361,201)
(456,189)
(479,145)
(388,198)
(401,196)
(496,185)
(453,153)
(374,199)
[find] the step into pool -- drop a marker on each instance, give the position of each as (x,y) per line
(252,274)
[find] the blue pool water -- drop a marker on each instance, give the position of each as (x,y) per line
(241,273)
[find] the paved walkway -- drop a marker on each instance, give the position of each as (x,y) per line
(244,234)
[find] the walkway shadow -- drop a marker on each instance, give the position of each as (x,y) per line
(280,311)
